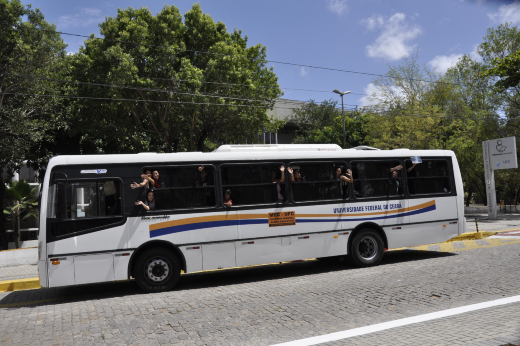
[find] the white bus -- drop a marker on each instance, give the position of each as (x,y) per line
(94,229)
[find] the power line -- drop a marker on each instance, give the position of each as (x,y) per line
(136,88)
(243,57)
(152,89)
(207,82)
(234,105)
(140,100)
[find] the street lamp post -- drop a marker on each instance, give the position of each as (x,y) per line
(342,112)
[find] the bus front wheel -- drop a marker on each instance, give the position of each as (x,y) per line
(157,270)
(367,248)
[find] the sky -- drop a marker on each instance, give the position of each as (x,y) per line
(352,35)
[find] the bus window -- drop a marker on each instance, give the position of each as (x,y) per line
(255,183)
(430,176)
(318,181)
(83,205)
(85,199)
(377,178)
(184,187)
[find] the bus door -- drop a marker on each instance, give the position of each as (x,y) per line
(85,216)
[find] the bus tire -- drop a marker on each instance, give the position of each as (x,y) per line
(157,270)
(367,248)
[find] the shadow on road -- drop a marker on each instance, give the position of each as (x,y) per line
(227,277)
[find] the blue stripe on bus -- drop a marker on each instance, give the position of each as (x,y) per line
(214,224)
(200,225)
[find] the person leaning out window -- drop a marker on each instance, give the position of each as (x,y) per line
(149,203)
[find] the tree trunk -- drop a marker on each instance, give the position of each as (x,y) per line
(470,193)
(16,227)
(202,138)
(3,234)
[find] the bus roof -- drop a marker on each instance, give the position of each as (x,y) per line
(294,152)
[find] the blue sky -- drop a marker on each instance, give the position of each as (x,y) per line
(355,35)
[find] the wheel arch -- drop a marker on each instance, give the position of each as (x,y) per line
(154,244)
(372,225)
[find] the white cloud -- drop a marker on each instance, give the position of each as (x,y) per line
(396,34)
(337,6)
(365,100)
(474,53)
(87,16)
(303,71)
(443,62)
(507,13)
(374,94)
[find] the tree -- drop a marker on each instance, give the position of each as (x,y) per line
(313,115)
(418,108)
(508,69)
(180,84)
(29,47)
(25,201)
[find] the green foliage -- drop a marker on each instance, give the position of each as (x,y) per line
(174,113)
(508,69)
(29,46)
(25,204)
(274,125)
(313,115)
(323,123)
(355,131)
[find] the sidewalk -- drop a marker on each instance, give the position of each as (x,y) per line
(19,272)
(504,222)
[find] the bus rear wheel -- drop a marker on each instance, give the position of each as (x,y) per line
(367,248)
(157,270)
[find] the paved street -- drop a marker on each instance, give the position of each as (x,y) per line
(271,304)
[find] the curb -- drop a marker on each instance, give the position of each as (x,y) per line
(20,284)
(471,236)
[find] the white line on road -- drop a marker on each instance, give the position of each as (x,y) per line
(398,323)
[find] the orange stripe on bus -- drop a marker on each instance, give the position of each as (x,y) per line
(234,216)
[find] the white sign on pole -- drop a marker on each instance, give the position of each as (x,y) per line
(498,154)
(502,153)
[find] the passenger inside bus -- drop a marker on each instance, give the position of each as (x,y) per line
(147,178)
(204,178)
(112,198)
(343,180)
(274,179)
(149,203)
(227,198)
(155,180)
(296,176)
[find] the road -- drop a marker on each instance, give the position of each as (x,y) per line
(271,304)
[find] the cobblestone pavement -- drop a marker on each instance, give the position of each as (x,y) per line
(492,326)
(271,304)
(19,272)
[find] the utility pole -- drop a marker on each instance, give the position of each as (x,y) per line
(342,112)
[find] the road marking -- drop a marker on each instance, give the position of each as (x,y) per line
(398,323)
(447,247)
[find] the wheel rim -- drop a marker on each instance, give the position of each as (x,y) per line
(367,248)
(157,270)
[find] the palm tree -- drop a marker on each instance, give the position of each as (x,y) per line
(25,203)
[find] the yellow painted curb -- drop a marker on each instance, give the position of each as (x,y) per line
(471,236)
(20,284)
